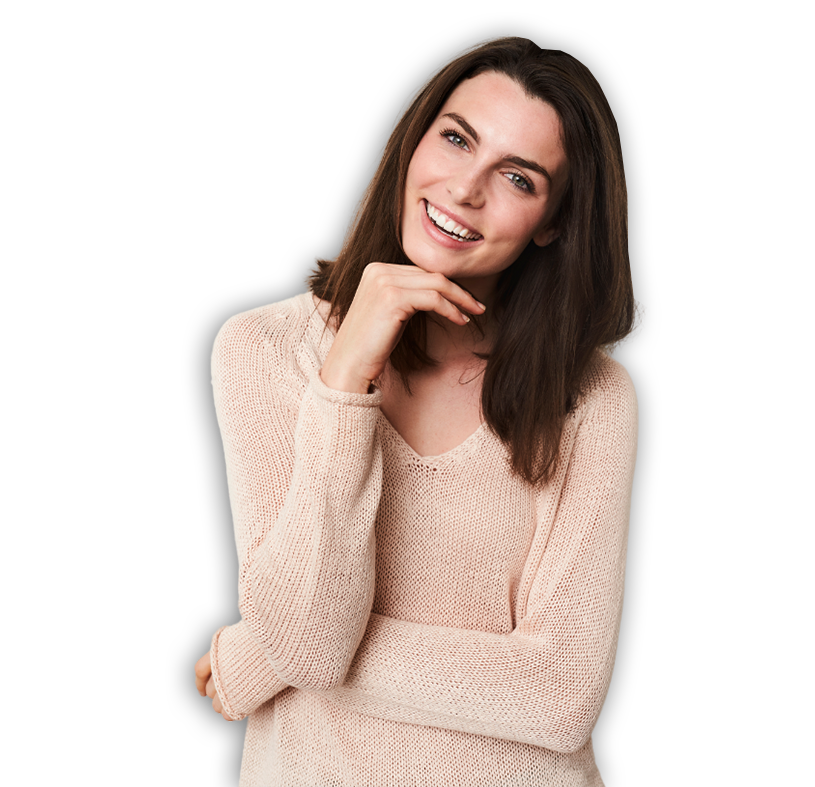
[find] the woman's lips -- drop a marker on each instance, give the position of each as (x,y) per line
(449,231)
(450,224)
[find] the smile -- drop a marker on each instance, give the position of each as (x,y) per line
(448,226)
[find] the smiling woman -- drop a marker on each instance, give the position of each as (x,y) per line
(430,454)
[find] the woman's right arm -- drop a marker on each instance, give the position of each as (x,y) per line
(304,474)
(305,478)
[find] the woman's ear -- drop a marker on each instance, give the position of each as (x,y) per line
(544,236)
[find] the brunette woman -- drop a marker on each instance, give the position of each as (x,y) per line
(430,454)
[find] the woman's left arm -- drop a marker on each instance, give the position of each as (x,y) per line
(544,683)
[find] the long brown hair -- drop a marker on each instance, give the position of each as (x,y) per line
(555,305)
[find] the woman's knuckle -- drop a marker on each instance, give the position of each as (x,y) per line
(391,294)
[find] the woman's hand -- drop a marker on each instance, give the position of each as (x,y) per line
(204,682)
(387,297)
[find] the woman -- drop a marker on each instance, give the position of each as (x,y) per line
(430,457)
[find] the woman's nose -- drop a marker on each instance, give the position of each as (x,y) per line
(466,186)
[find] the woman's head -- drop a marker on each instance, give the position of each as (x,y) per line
(486,179)
(591,220)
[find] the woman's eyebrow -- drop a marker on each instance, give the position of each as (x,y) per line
(517,160)
(464,124)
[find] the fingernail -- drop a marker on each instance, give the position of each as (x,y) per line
(466,318)
(481,305)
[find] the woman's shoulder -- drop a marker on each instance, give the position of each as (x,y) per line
(608,391)
(606,375)
(280,337)
(267,323)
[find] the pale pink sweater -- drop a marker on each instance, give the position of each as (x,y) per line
(412,620)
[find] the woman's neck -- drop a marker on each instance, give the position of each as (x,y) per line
(449,343)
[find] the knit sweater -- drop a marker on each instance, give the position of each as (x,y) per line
(411,620)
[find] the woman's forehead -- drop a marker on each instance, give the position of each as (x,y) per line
(504,117)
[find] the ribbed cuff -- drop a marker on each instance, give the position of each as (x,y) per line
(243,676)
(343,397)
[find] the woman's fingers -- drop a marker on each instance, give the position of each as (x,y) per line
(213,695)
(409,277)
(203,672)
(205,683)
(408,301)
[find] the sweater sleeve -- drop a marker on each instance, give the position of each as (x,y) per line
(545,682)
(305,472)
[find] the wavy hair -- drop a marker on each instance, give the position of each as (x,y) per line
(555,305)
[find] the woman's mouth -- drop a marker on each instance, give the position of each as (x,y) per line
(448,226)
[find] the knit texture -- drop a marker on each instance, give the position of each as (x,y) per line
(409,620)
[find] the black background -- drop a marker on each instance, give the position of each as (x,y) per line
(261,148)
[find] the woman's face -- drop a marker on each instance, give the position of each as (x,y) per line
(491,168)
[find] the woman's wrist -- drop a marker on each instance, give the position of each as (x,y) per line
(343,379)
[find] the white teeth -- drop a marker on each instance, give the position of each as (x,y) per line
(447,224)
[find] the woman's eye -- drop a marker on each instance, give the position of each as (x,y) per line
(455,139)
(519,180)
